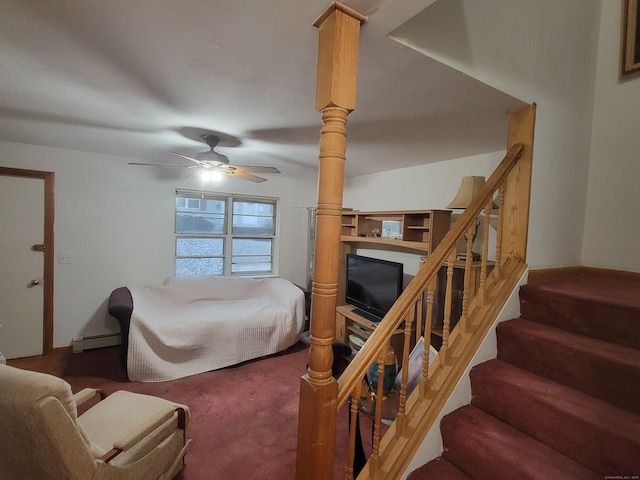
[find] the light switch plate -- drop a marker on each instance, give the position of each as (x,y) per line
(65,257)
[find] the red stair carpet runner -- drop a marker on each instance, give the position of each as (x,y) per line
(562,398)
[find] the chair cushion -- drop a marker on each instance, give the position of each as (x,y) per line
(124,418)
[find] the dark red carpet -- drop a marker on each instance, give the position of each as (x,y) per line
(562,399)
(243,418)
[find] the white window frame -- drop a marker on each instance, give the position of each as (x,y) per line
(227,235)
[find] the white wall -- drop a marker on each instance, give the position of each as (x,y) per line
(543,52)
(118,222)
(424,187)
(612,229)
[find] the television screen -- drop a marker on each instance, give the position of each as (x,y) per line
(373,285)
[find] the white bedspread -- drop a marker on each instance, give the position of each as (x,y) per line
(190,325)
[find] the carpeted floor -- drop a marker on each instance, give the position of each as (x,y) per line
(244,419)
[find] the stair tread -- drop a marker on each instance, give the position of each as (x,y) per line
(486,448)
(564,419)
(612,288)
(599,306)
(598,368)
(601,348)
(438,469)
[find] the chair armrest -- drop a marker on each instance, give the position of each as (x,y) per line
(134,436)
(120,306)
(87,394)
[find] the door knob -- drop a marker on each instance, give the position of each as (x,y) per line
(34,283)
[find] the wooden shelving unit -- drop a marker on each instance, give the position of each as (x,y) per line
(417,231)
(420,230)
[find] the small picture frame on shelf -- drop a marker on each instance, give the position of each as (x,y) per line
(392,229)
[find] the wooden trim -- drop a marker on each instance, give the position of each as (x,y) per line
(54,363)
(49,254)
(629,33)
(540,275)
(48,273)
(341,7)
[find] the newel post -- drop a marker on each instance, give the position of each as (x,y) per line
(339,32)
(515,222)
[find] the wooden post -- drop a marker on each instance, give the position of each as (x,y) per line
(339,32)
(515,221)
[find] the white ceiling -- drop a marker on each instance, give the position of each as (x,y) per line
(142,78)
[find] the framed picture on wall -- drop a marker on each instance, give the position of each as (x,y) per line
(630,40)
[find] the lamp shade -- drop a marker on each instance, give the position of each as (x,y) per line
(469,188)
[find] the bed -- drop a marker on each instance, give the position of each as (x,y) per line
(190,325)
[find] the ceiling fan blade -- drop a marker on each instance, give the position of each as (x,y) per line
(191,159)
(237,172)
(256,168)
(161,165)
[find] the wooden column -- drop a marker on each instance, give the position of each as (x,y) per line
(339,31)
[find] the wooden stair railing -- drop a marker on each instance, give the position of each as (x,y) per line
(321,395)
(393,451)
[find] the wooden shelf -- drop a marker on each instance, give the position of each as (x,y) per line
(420,230)
(348,321)
(422,247)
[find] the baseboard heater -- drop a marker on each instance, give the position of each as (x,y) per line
(80,344)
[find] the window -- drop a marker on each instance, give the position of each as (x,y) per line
(222,234)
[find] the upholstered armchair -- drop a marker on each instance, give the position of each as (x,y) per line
(124,436)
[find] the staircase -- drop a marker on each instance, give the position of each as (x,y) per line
(562,398)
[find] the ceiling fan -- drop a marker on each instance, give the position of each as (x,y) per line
(212,163)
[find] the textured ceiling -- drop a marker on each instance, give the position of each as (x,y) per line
(143,78)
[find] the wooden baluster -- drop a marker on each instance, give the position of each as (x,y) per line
(469,236)
(447,308)
(424,380)
(355,400)
(400,417)
(374,459)
(419,315)
(501,196)
(485,252)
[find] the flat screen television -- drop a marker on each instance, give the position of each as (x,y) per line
(373,285)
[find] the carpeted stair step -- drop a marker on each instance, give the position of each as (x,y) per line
(438,469)
(602,437)
(601,369)
(487,449)
(586,307)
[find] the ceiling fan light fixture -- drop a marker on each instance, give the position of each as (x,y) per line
(210,176)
